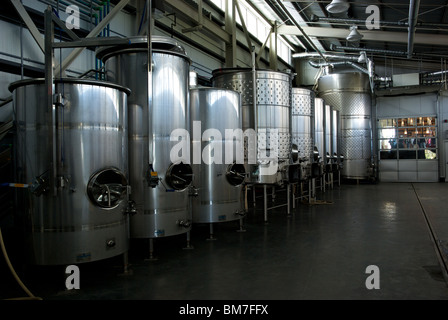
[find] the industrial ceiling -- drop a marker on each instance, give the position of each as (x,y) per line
(410,30)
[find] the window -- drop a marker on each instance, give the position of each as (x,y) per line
(258,27)
(408,138)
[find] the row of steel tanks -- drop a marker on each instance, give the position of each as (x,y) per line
(104,164)
(148,153)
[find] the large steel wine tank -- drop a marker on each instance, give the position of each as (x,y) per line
(266,108)
(350,94)
(217,149)
(74,208)
(302,121)
(157,120)
(336,127)
(319,127)
(302,127)
(328,122)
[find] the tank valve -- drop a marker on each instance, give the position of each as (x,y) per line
(110,243)
(185,224)
(131,209)
(240,213)
(153,179)
(193,191)
(39,186)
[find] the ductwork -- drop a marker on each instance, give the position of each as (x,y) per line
(346,61)
(304,55)
(339,63)
(403,24)
(413,13)
(380,51)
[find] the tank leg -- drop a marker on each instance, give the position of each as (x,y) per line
(265,202)
(189,246)
(293,196)
(254,199)
(246,207)
(126,270)
(288,191)
(212,237)
(151,250)
(310,190)
(241,229)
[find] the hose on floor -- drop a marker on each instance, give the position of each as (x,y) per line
(11,268)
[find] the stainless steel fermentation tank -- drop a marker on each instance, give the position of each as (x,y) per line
(219,174)
(328,123)
(336,140)
(266,109)
(319,135)
(350,94)
(302,128)
(159,185)
(81,215)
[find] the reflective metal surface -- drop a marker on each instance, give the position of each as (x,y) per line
(336,127)
(302,126)
(215,117)
(302,121)
(272,111)
(350,94)
(328,133)
(85,220)
(319,127)
(160,194)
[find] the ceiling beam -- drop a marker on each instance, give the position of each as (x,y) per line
(368,35)
(206,23)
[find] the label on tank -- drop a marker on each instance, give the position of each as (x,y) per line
(83,257)
(159,232)
(222,217)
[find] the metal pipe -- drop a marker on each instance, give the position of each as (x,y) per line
(254,90)
(326,55)
(49,84)
(413,12)
(335,47)
(150,80)
(339,63)
(316,19)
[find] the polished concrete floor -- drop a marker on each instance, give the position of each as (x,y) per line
(319,252)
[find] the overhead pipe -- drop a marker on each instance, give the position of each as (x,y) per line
(370,70)
(381,51)
(340,63)
(413,13)
(326,56)
(315,19)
